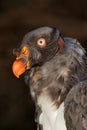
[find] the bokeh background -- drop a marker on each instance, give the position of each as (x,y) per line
(17,17)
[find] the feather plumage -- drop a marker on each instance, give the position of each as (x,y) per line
(57,79)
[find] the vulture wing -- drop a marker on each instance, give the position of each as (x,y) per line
(76,107)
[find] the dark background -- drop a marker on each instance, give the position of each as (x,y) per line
(16,18)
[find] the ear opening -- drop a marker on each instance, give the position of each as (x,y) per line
(60,44)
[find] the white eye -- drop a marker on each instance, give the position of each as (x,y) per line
(41,42)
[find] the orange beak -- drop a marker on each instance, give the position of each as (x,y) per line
(19,66)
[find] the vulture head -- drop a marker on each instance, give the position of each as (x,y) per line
(38,47)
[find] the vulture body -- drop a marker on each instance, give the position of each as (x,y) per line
(56,75)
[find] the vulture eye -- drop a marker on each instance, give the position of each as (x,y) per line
(41,42)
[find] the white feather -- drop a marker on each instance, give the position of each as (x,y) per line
(51,118)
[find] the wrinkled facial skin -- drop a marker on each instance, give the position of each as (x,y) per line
(38,46)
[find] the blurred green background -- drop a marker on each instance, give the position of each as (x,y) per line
(17,17)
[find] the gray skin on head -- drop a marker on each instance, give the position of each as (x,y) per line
(60,76)
(42,55)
